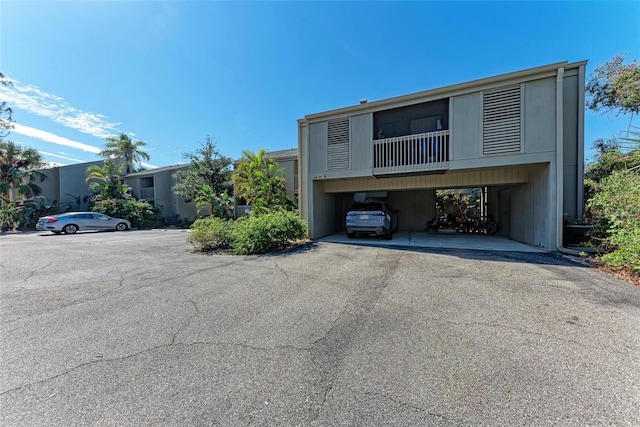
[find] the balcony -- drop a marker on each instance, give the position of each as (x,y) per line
(424,152)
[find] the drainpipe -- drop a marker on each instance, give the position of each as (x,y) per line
(581,141)
(559,165)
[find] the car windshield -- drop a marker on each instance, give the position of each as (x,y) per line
(367,206)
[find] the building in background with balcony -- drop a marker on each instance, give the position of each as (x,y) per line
(517,135)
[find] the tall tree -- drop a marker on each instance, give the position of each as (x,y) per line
(19,171)
(260,181)
(122,147)
(6,112)
(207,166)
(615,86)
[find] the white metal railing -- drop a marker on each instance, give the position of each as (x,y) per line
(411,153)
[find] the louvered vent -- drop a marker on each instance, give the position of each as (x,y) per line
(338,144)
(501,120)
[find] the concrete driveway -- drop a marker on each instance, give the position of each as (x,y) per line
(133,329)
(441,240)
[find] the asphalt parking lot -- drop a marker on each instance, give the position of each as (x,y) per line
(133,328)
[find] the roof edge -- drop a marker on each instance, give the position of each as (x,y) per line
(442,90)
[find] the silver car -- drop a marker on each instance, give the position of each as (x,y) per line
(371,217)
(69,223)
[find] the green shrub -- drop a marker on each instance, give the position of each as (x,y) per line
(141,213)
(617,203)
(211,233)
(258,234)
(267,232)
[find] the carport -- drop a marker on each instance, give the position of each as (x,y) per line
(515,200)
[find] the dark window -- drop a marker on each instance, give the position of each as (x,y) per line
(412,119)
(367,206)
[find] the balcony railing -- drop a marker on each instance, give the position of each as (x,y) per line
(411,153)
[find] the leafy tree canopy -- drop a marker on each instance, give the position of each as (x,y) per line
(207,167)
(615,86)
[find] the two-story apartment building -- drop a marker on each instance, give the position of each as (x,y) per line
(520,135)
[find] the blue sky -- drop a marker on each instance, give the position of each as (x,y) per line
(170,73)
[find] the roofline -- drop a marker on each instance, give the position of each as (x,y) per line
(430,93)
(157,170)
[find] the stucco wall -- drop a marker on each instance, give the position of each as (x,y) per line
(571,180)
(540,116)
(466,142)
(531,211)
(361,129)
(324,211)
(66,183)
(415,208)
(163,195)
(51,185)
(317,148)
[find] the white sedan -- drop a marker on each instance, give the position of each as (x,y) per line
(70,223)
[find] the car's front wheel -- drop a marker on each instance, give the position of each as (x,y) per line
(70,229)
(121,226)
(351,235)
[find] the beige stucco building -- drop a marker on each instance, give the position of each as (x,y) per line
(520,135)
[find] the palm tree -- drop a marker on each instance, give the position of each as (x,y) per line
(259,180)
(124,148)
(19,171)
(107,180)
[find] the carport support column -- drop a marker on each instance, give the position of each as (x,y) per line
(559,157)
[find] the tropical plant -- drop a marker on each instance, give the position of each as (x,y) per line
(140,212)
(220,205)
(207,167)
(260,181)
(26,214)
(612,180)
(273,231)
(617,200)
(122,147)
(19,171)
(211,233)
(106,181)
(267,232)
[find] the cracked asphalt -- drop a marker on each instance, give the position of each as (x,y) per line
(134,329)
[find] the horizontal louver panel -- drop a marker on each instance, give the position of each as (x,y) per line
(338,131)
(338,144)
(502,121)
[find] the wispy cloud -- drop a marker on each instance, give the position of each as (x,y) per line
(53,138)
(61,157)
(34,100)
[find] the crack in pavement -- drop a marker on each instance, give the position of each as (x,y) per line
(404,404)
(33,272)
(149,350)
(525,331)
(329,351)
(187,322)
